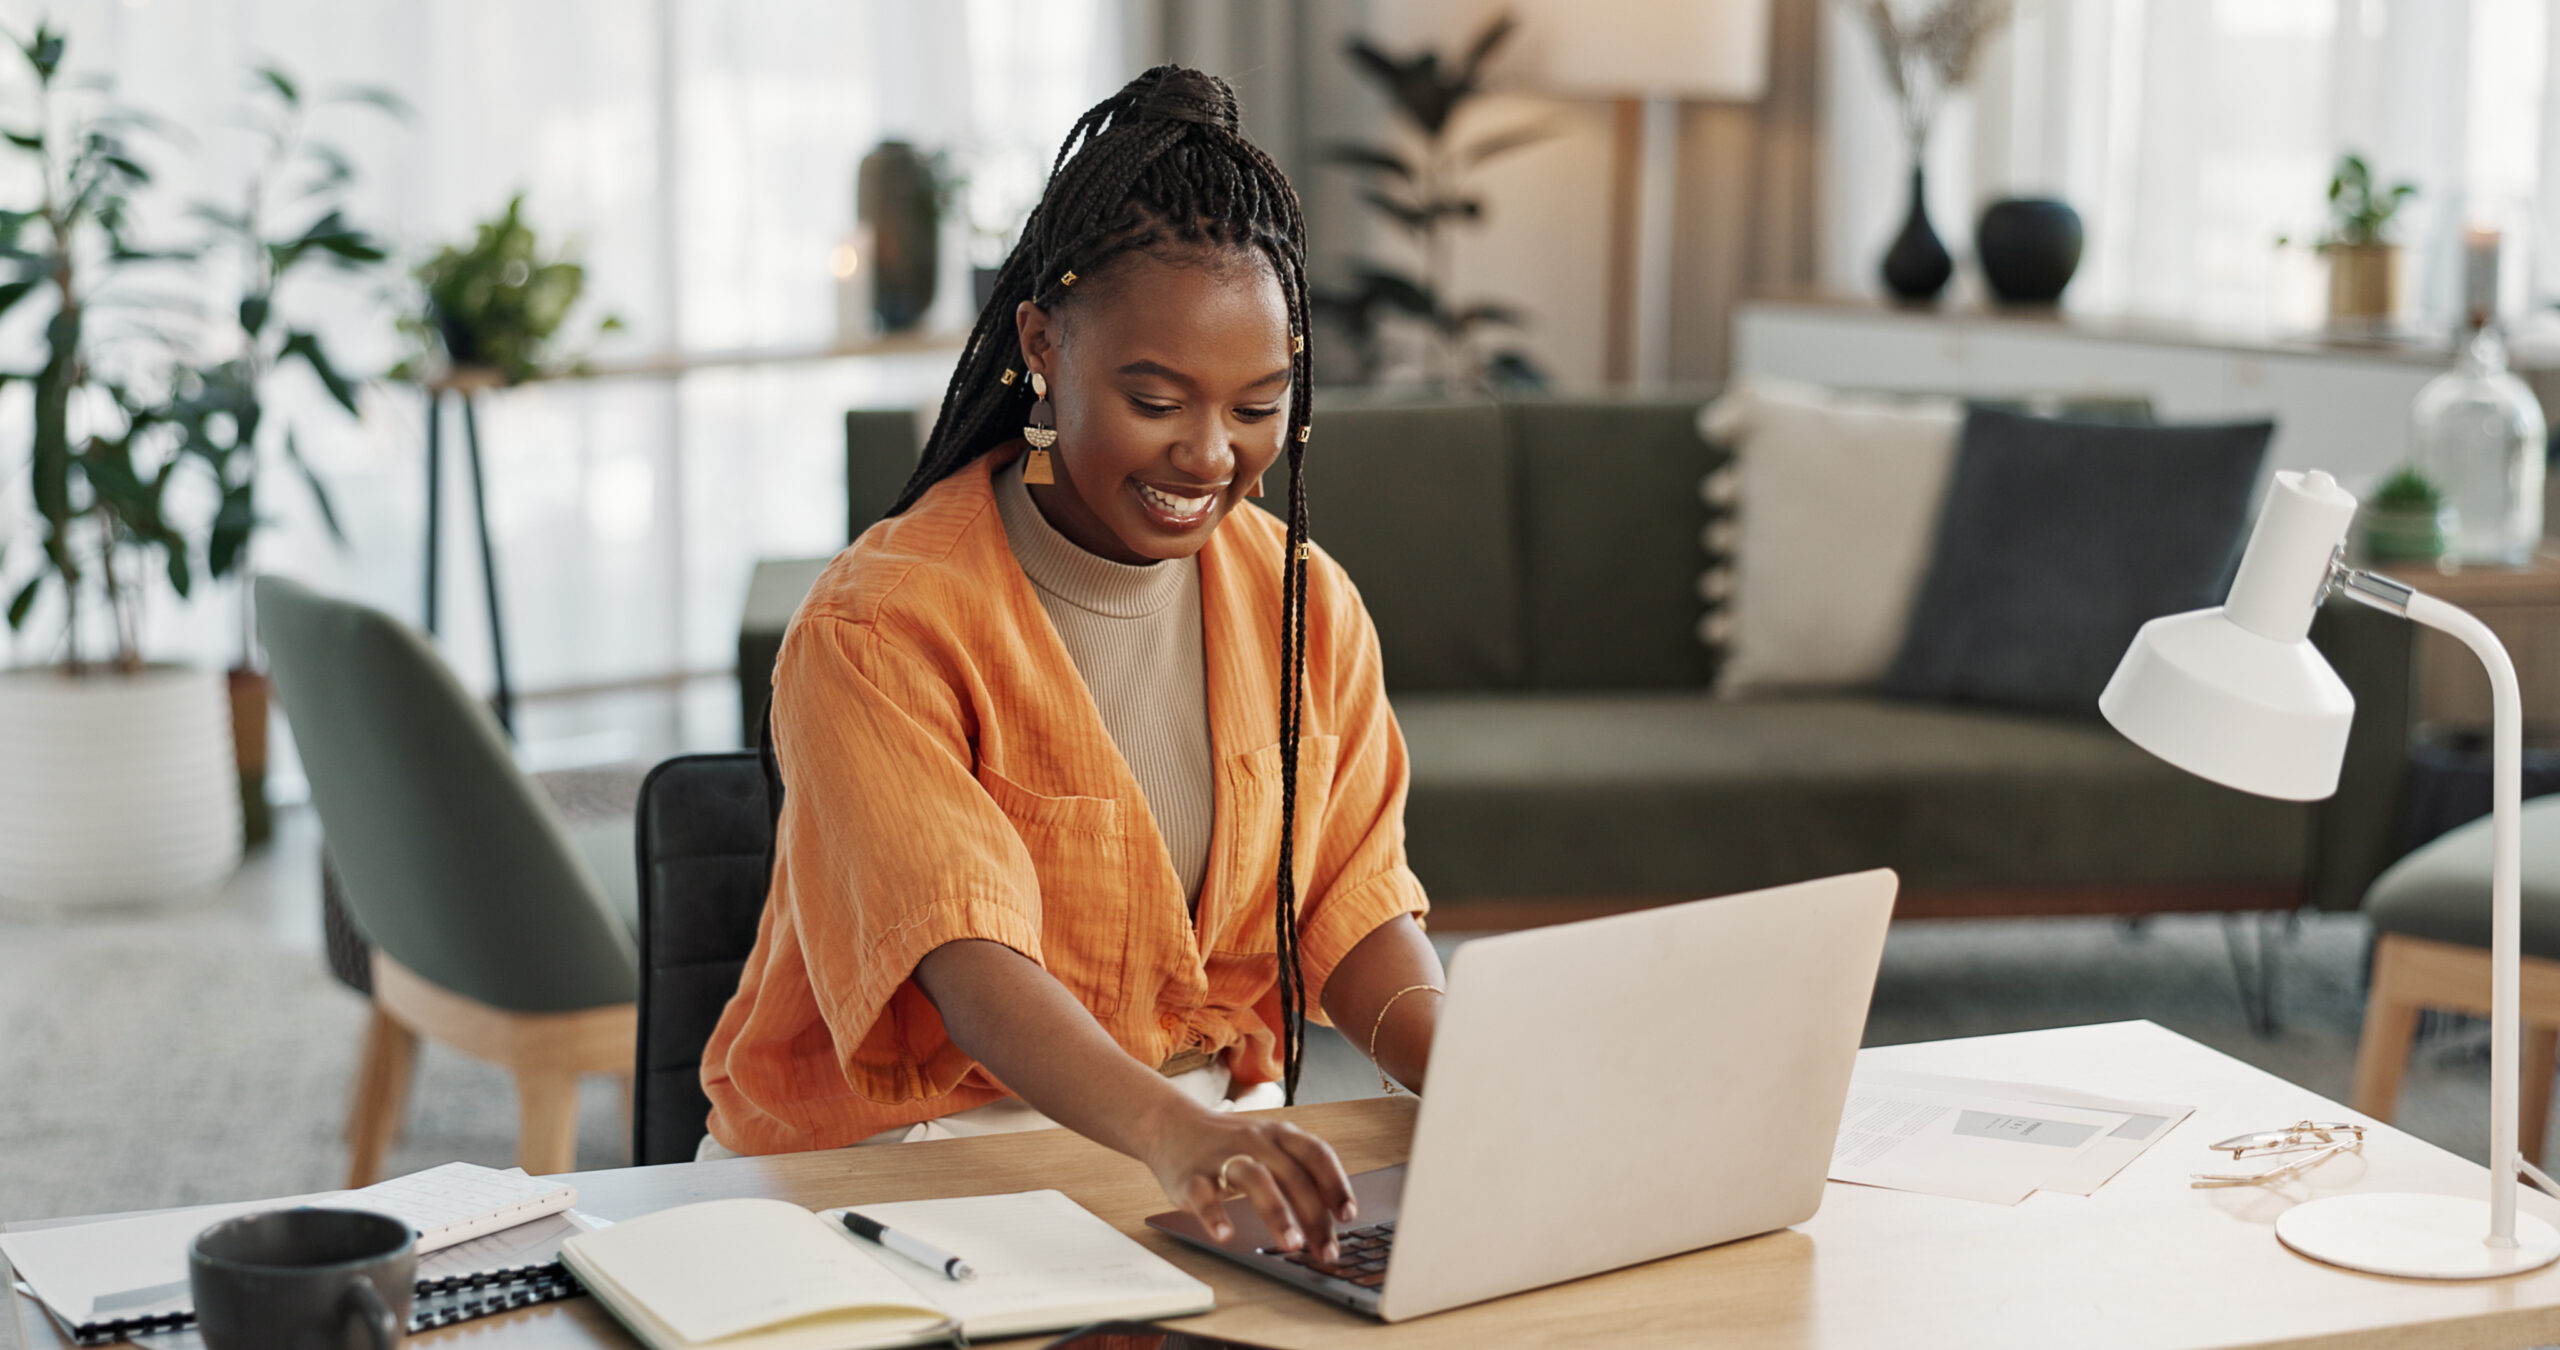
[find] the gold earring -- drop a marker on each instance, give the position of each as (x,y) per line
(1041,433)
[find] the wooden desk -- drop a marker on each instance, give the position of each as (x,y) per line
(2146,1262)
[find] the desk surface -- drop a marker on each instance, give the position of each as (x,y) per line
(2146,1262)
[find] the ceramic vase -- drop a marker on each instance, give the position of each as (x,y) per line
(2029,248)
(122,789)
(1917,267)
(893,199)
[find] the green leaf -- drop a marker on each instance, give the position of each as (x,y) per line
(233,522)
(283,85)
(13,292)
(307,346)
(128,167)
(1405,213)
(1368,157)
(319,492)
(181,575)
(25,140)
(25,601)
(253,314)
(376,96)
(1504,142)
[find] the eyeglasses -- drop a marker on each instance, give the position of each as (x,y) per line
(2301,1146)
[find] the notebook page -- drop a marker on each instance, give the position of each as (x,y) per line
(460,1201)
(1043,1261)
(723,1268)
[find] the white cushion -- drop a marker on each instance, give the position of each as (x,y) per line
(1835,523)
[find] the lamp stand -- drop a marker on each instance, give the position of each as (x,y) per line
(2445,1237)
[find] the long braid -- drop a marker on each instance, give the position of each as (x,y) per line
(1159,164)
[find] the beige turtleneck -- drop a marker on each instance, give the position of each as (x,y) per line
(1134,635)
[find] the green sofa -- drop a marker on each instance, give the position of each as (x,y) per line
(1533,568)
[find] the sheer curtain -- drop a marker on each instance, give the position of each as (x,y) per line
(700,156)
(2192,135)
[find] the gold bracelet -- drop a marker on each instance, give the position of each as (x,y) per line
(1385,1083)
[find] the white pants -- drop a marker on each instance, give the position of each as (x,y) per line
(1208,1085)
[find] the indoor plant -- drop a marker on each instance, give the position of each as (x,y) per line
(2403,520)
(494,306)
(286,217)
(121,786)
(2364,265)
(1925,60)
(1426,195)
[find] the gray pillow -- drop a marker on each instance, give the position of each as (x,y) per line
(2058,540)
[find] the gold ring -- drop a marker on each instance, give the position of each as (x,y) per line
(1223,1183)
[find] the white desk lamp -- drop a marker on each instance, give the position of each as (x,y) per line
(2240,696)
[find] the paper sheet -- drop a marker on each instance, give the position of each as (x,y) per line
(2139,1124)
(1995,1142)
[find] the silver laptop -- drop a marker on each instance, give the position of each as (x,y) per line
(1609,1092)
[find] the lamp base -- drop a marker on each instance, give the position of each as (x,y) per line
(2421,1237)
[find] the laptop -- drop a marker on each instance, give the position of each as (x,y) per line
(1609,1092)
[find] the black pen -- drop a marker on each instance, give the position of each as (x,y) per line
(914,1249)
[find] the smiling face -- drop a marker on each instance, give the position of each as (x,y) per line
(1170,380)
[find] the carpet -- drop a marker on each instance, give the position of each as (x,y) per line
(158,1068)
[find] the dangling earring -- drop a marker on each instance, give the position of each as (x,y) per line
(1041,434)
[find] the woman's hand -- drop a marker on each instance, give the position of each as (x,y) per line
(1009,1015)
(1292,1177)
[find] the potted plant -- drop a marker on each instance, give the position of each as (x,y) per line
(286,219)
(2405,519)
(1426,195)
(121,785)
(2364,265)
(493,307)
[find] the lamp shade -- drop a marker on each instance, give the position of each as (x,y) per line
(1700,49)
(2238,694)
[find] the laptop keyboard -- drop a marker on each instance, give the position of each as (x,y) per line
(1364,1255)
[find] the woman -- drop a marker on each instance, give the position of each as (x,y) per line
(1037,815)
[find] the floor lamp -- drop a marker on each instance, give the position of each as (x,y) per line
(2239,695)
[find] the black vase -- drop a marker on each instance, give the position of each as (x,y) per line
(894,196)
(2029,247)
(1917,266)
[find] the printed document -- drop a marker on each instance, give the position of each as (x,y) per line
(1979,1140)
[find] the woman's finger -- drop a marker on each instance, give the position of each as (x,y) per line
(1204,1200)
(1249,1175)
(1332,1184)
(1307,1200)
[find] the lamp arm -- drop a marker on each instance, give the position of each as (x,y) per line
(2506,874)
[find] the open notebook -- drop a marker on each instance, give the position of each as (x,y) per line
(769,1275)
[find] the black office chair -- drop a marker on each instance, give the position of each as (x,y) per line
(705,834)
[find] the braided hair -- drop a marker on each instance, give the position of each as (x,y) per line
(1158,167)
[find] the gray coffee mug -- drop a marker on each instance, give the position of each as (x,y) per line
(304,1279)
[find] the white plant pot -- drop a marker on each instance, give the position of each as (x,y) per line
(116,789)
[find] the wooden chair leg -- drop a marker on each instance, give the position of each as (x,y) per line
(2390,1024)
(547,1120)
(628,1134)
(2541,1067)
(390,1059)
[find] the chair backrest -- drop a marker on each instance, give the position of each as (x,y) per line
(452,862)
(704,834)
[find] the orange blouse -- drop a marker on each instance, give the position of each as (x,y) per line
(948,777)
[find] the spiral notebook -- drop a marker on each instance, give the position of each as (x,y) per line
(488,1240)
